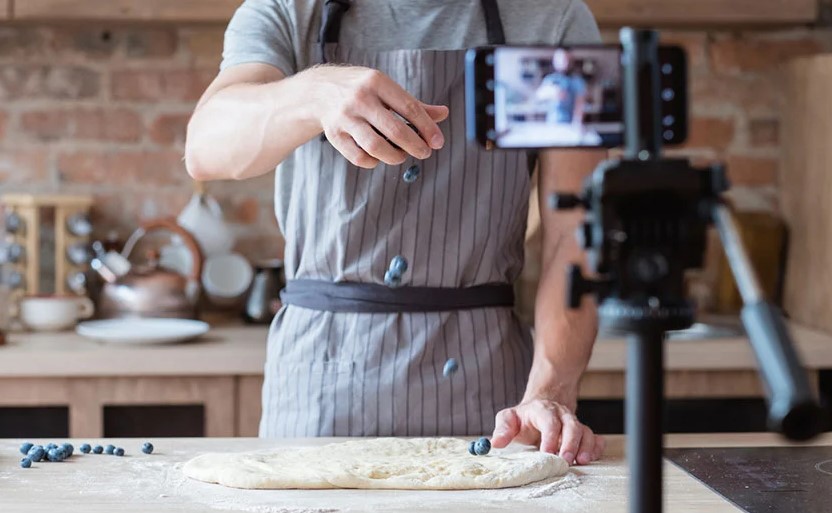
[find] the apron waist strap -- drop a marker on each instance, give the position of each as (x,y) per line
(373,298)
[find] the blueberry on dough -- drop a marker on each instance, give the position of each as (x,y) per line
(25,463)
(50,446)
(483,446)
(24,448)
(85,448)
(119,451)
(36,453)
(451,366)
(147,448)
(97,449)
(68,449)
(472,447)
(109,449)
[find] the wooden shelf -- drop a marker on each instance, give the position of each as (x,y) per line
(129,10)
(703,12)
(610,13)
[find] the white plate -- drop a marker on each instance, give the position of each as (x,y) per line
(142,331)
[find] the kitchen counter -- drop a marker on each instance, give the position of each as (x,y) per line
(223,372)
(154,483)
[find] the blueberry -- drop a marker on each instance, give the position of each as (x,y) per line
(109,449)
(50,446)
(25,463)
(412,174)
(147,448)
(68,449)
(36,453)
(483,446)
(392,279)
(472,447)
(54,454)
(24,448)
(97,449)
(119,451)
(398,265)
(85,448)
(62,453)
(451,366)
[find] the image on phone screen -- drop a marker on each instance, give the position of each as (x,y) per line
(558,97)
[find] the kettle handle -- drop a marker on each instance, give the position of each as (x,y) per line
(170,225)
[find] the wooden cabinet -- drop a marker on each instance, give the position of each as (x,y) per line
(702,12)
(610,13)
(139,10)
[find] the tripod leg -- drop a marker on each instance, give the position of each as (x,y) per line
(645,391)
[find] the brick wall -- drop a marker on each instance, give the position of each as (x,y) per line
(102,110)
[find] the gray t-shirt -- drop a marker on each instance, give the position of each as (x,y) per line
(284,33)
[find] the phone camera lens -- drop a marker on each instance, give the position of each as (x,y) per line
(668,135)
(489,109)
(489,59)
(490,85)
(668,95)
(667,69)
(668,120)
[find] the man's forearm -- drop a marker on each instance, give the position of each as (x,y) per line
(563,337)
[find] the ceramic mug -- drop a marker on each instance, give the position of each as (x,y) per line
(54,313)
(226,278)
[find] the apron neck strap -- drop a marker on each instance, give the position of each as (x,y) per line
(334,11)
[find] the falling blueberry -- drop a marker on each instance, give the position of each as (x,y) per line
(97,449)
(85,448)
(25,463)
(36,453)
(24,448)
(392,279)
(451,366)
(110,449)
(54,454)
(147,448)
(68,449)
(482,446)
(119,451)
(398,265)
(472,447)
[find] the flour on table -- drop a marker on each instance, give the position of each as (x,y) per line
(382,463)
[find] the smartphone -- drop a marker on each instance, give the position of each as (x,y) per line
(528,97)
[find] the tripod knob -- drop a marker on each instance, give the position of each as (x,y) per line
(584,235)
(565,201)
(578,286)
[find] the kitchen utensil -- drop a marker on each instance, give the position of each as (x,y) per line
(143,331)
(176,256)
(54,313)
(226,278)
(263,300)
(113,262)
(149,290)
(202,216)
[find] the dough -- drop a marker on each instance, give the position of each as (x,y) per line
(391,463)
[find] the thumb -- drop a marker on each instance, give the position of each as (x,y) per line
(507,427)
(437,113)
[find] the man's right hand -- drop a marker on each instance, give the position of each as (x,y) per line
(354,105)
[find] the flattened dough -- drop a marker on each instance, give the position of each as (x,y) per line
(389,463)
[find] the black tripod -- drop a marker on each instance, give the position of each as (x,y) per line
(646,225)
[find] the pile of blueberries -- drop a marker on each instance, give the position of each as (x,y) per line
(480,447)
(53,452)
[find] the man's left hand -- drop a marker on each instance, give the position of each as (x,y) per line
(550,425)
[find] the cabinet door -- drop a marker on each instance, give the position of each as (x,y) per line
(149,10)
(5,9)
(702,12)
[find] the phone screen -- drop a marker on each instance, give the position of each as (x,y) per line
(558,97)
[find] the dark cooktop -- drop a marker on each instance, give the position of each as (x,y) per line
(764,479)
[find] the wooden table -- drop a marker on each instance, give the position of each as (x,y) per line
(224,372)
(138,482)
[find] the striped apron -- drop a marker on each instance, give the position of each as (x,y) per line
(352,354)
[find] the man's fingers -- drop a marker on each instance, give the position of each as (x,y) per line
(507,426)
(371,142)
(600,445)
(586,453)
(572,434)
(351,151)
(438,113)
(549,426)
(397,132)
(412,110)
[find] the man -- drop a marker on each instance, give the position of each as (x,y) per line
(566,92)
(401,244)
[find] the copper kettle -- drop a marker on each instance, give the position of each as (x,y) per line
(149,290)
